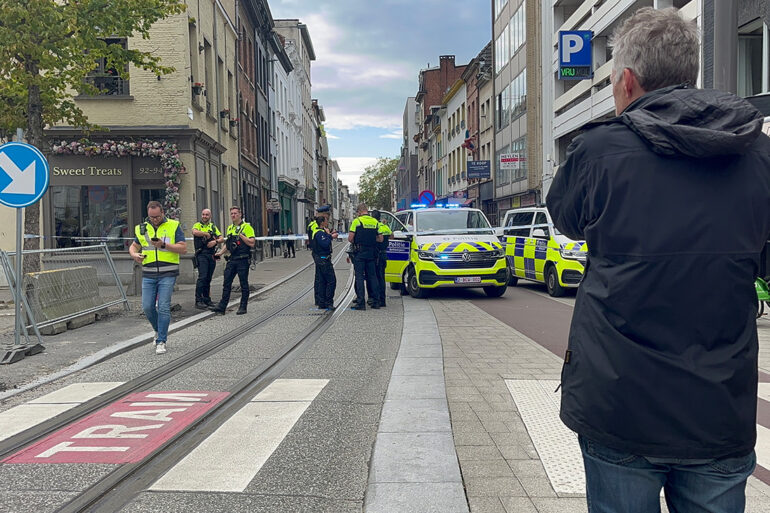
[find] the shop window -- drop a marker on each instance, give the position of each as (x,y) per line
(105,77)
(84,214)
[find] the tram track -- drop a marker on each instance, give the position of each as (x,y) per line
(119,487)
(162,373)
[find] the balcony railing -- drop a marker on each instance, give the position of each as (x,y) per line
(108,85)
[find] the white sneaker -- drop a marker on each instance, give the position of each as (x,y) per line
(155,338)
(160,348)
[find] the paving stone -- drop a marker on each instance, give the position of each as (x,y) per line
(478,452)
(537,486)
(486,505)
(486,468)
(527,468)
(474,438)
(416,498)
(561,505)
(514,452)
(518,505)
(493,487)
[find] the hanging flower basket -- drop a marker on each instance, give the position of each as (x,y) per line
(234,122)
(197,88)
(224,113)
(167,153)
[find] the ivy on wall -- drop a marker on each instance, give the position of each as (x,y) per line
(166,152)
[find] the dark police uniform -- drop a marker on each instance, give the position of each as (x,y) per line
(238,264)
(204,261)
(382,258)
(311,230)
(327,282)
(365,228)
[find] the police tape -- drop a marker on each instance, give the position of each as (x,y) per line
(110,239)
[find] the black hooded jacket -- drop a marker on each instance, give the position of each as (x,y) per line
(673,199)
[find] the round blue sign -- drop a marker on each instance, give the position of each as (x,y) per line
(427,197)
(24,174)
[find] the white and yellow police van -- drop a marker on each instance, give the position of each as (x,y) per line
(536,251)
(444,247)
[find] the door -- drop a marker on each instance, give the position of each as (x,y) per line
(398,248)
(540,241)
(145,196)
(518,226)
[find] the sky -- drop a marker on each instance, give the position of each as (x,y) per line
(368,57)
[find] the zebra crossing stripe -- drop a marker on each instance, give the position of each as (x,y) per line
(228,460)
(27,415)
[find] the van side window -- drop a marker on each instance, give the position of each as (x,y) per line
(518,224)
(541,222)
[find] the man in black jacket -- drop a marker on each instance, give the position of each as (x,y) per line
(673,199)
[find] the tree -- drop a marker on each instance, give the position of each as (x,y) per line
(375,187)
(48,47)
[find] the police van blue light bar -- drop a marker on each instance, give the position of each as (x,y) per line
(440,205)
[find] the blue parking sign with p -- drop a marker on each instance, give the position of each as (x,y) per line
(24,174)
(575,54)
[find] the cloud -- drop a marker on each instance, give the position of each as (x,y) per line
(339,118)
(398,134)
(331,136)
(351,169)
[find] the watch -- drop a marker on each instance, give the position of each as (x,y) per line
(163,246)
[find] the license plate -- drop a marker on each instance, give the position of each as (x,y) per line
(468,279)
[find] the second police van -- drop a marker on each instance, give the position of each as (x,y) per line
(536,251)
(444,247)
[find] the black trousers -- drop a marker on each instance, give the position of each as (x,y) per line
(206,266)
(240,268)
(327,282)
(290,249)
(379,273)
(319,300)
(366,272)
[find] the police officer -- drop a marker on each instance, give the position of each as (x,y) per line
(240,239)
(322,243)
(363,234)
(311,230)
(206,236)
(158,244)
(382,257)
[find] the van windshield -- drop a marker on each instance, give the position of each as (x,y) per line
(457,221)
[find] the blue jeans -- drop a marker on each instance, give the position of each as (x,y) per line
(617,481)
(160,317)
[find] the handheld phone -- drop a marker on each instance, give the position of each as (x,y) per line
(155,239)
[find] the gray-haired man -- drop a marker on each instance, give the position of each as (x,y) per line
(673,199)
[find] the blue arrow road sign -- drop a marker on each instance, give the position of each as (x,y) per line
(24,174)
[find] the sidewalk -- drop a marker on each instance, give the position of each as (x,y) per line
(515,454)
(65,349)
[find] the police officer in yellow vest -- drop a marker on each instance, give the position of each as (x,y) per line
(239,239)
(382,257)
(206,237)
(364,235)
(158,244)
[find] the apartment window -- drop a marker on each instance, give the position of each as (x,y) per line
(519,147)
(105,77)
(752,76)
(518,29)
(518,95)
(502,176)
(499,5)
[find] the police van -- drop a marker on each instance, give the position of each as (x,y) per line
(536,251)
(444,247)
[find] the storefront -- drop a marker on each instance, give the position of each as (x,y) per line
(91,198)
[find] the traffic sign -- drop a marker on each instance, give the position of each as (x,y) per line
(426,197)
(575,54)
(24,174)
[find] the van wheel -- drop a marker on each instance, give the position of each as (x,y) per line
(552,282)
(413,286)
(495,291)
